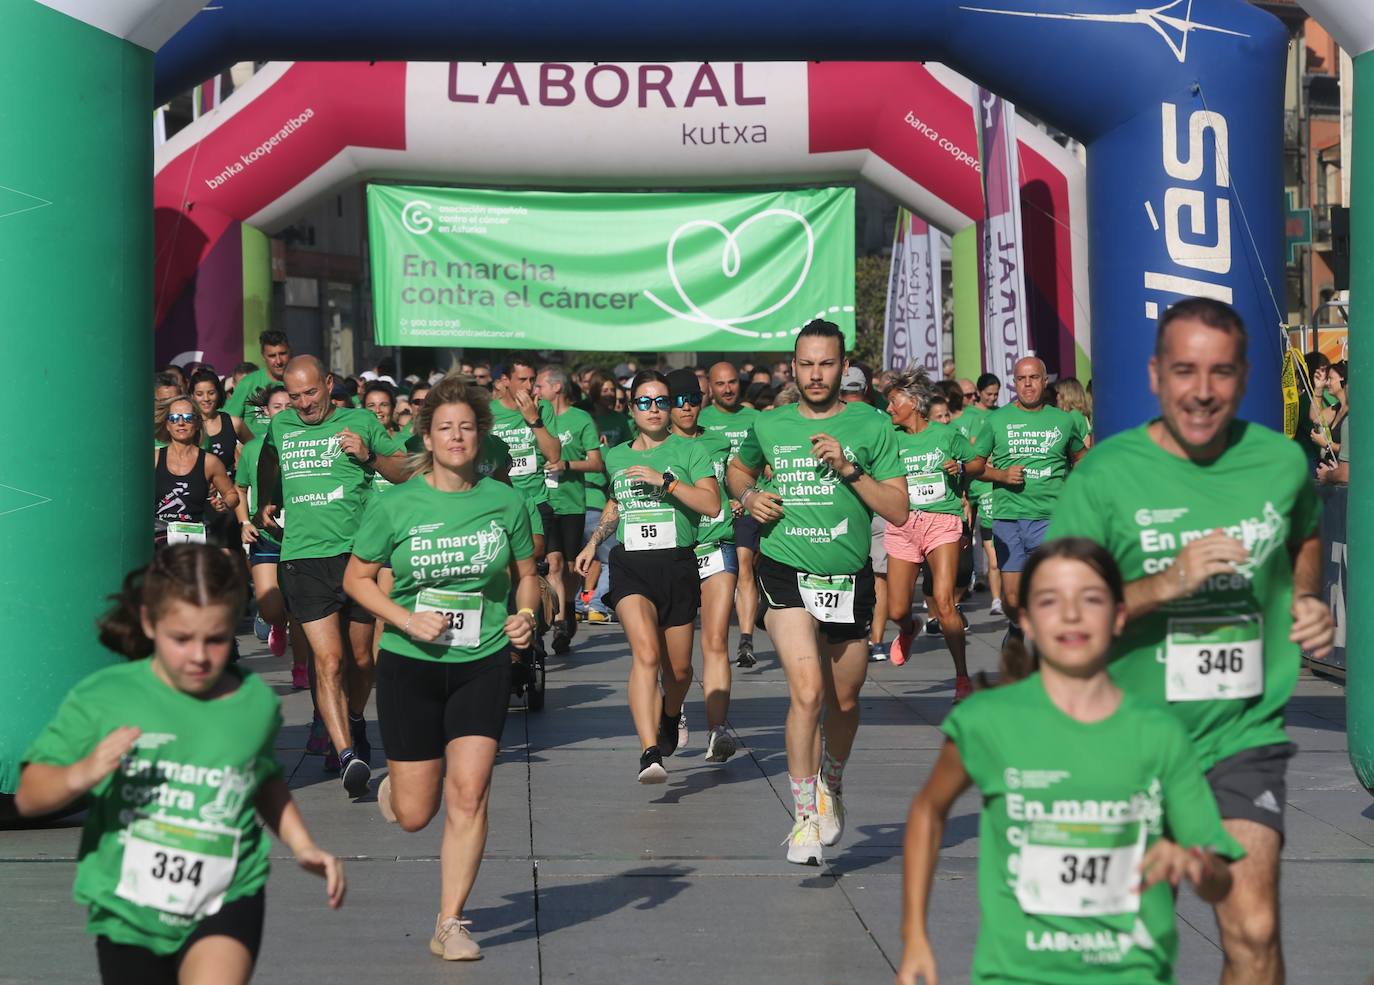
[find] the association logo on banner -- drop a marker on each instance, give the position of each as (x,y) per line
(731,272)
(914,331)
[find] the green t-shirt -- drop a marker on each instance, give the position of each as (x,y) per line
(826,527)
(448,543)
(577,435)
(324,489)
(613,428)
(930,488)
(1066,805)
(715,529)
(971,424)
(247,478)
(178,814)
(1041,440)
(1085,427)
(527,461)
(1143,504)
(256,417)
(735,424)
(644,507)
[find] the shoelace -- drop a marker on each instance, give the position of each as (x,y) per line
(806,821)
(454,924)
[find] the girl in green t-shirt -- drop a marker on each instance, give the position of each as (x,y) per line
(660,488)
(1094,805)
(456,540)
(173,752)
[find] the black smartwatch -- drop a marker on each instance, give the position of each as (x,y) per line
(538,422)
(371,456)
(854,476)
(668,480)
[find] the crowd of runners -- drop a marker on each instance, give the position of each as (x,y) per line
(1158,590)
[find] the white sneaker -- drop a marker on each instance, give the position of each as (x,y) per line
(996,609)
(720,745)
(682,734)
(829,814)
(804,843)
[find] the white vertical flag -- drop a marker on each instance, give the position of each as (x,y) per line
(914,333)
(1005,327)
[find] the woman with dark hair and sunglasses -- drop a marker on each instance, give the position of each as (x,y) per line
(185,475)
(660,489)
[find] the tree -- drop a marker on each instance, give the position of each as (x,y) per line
(870,307)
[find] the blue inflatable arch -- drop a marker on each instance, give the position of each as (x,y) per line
(1179,106)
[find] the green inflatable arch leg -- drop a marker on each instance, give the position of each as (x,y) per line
(75,238)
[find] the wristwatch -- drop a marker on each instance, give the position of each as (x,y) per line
(668,480)
(538,422)
(854,476)
(371,456)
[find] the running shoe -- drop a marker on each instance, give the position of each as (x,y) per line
(358,732)
(829,814)
(877,653)
(276,641)
(651,766)
(996,608)
(300,677)
(356,774)
(804,843)
(384,800)
(682,733)
(963,687)
(595,615)
(669,732)
(562,639)
(452,942)
(744,657)
(261,628)
(317,744)
(901,649)
(720,745)
(933,628)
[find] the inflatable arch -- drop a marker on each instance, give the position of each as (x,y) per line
(1179,106)
(299,130)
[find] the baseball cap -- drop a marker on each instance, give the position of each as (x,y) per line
(853,381)
(683,382)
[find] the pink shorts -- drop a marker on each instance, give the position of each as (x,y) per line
(922,533)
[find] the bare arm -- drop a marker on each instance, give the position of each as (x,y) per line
(393,468)
(1214,554)
(976,468)
(279,812)
(219,478)
(360,582)
(702,496)
(888,498)
(46,787)
(1314,628)
(592,463)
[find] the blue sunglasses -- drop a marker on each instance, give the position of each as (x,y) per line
(644,403)
(180,418)
(683,399)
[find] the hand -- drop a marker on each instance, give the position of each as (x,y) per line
(583,562)
(525,404)
(1326,472)
(764,507)
(104,759)
(556,468)
(642,473)
(248,532)
(217,503)
(736,510)
(520,630)
(353,445)
(918,964)
(1313,628)
(1319,437)
(321,863)
(1214,554)
(951,466)
(425,626)
(828,451)
(1016,475)
(1171,862)
(267,519)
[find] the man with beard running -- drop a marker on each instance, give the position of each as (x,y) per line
(833,466)
(250,420)
(316,465)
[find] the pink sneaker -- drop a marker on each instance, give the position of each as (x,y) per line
(276,641)
(300,677)
(963,687)
(901,649)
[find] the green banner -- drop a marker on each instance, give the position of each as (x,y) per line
(609,271)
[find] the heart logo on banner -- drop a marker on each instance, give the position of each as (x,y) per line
(731,262)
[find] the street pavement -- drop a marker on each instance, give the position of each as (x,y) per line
(590,877)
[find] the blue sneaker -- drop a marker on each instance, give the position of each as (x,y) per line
(261,629)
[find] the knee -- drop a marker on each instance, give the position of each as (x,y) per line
(465,802)
(413,817)
(944,605)
(1251,935)
(555,564)
(807,698)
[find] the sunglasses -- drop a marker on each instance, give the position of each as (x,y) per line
(180,418)
(644,403)
(683,399)
(970,395)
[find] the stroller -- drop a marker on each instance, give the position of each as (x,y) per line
(527,673)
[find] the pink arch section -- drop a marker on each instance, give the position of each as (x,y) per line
(297,131)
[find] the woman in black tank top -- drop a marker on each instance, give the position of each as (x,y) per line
(185,473)
(217,427)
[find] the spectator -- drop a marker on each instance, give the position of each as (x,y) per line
(947,368)
(1316,409)
(1338,385)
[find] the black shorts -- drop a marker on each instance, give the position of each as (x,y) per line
(129,964)
(562,531)
(747,531)
(423,705)
(668,578)
(1252,785)
(778,586)
(312,588)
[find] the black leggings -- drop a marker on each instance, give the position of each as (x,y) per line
(129,964)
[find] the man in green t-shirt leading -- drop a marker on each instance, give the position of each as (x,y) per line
(1213,521)
(249,421)
(833,466)
(564,512)
(1029,446)
(316,469)
(726,414)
